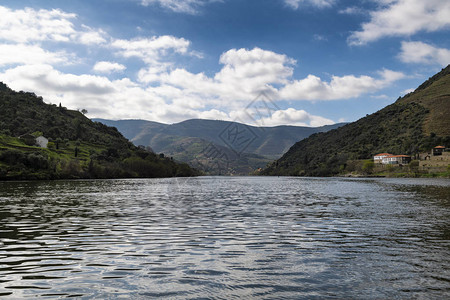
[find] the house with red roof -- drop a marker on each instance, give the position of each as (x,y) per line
(396,160)
(378,159)
(438,150)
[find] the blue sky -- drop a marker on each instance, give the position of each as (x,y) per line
(318,61)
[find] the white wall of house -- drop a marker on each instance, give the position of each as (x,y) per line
(389,160)
(42,141)
(379,158)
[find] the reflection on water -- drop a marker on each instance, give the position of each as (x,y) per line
(226,238)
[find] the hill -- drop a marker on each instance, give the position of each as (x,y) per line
(414,123)
(187,140)
(77,147)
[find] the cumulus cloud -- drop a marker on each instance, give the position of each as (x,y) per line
(162,90)
(150,50)
(296,117)
(30,54)
(101,96)
(340,87)
(403,18)
(295,4)
(35,25)
(181,94)
(419,52)
(154,52)
(121,99)
(40,77)
(30,25)
(92,37)
(252,70)
(180,6)
(244,74)
(108,67)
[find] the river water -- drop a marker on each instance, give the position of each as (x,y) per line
(226,238)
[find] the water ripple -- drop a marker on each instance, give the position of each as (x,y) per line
(225,238)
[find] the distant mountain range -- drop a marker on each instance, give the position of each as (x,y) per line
(216,147)
(414,123)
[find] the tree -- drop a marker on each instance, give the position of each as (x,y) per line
(368,166)
(58,142)
(84,111)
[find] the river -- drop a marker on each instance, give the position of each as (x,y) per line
(226,238)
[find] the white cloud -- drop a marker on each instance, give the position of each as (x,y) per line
(407,91)
(180,6)
(293,116)
(40,77)
(99,95)
(345,87)
(251,71)
(403,18)
(153,73)
(121,99)
(155,52)
(150,50)
(29,54)
(162,90)
(108,67)
(320,38)
(35,25)
(29,25)
(419,52)
(352,10)
(295,4)
(245,73)
(92,37)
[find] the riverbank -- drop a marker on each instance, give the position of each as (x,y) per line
(398,175)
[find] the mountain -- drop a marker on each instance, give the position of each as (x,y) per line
(73,145)
(414,123)
(186,141)
(269,141)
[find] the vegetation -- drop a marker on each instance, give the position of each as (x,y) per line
(77,148)
(186,141)
(401,128)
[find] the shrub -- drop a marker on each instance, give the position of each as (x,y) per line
(12,156)
(368,166)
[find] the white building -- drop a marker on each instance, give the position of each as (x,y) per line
(378,159)
(396,160)
(42,141)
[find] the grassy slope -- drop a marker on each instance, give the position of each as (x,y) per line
(195,152)
(186,140)
(401,128)
(79,148)
(434,94)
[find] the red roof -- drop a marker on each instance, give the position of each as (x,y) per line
(383,154)
(439,147)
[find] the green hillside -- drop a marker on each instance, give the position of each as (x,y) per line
(211,158)
(434,94)
(413,124)
(186,141)
(77,148)
(270,142)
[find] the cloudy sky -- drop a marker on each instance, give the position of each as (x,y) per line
(316,61)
